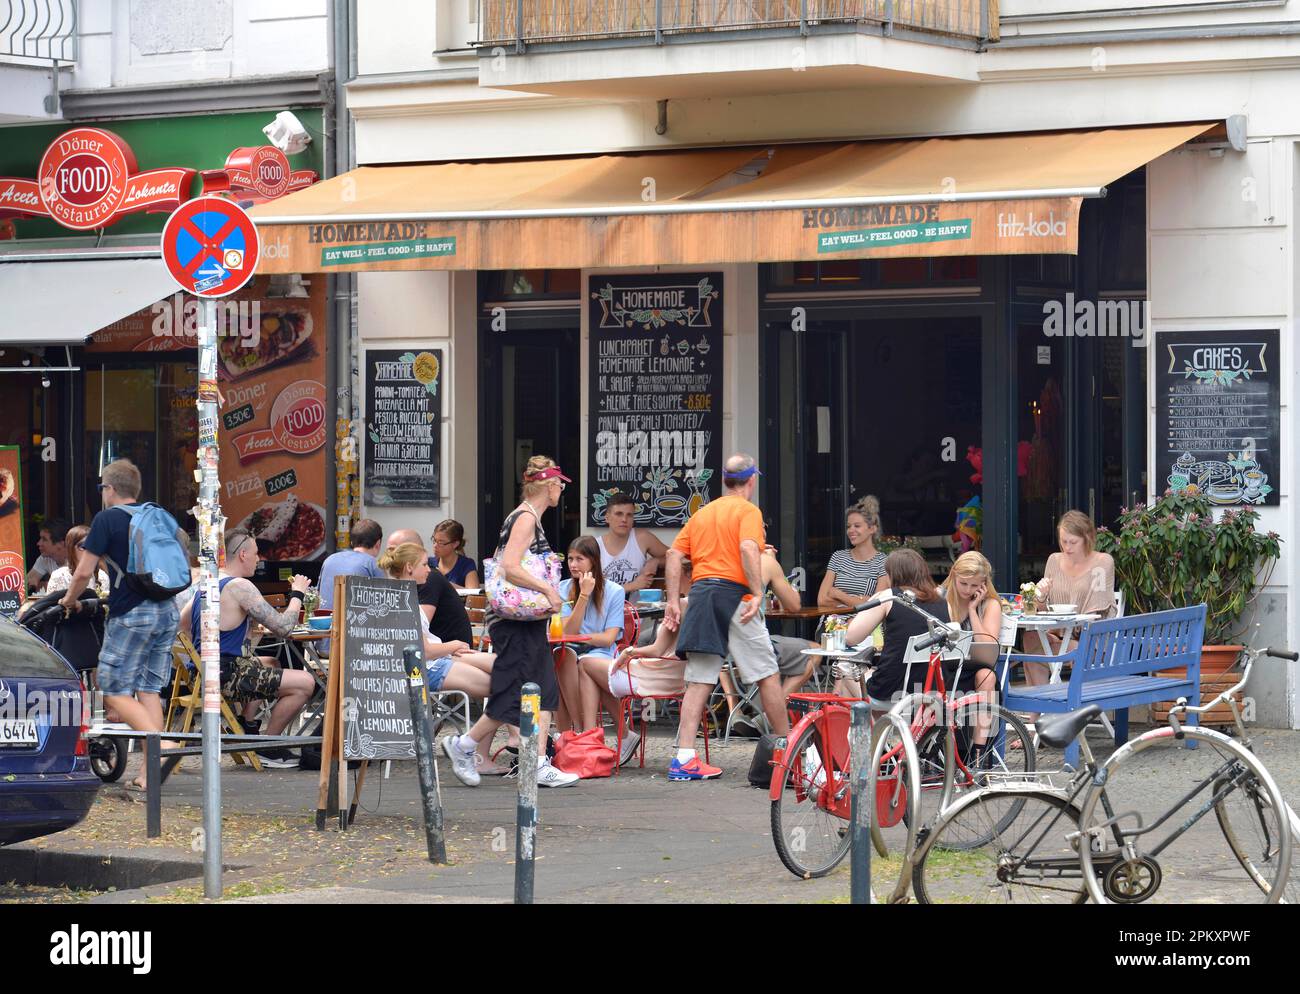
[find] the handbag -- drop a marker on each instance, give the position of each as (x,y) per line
(585,754)
(520,603)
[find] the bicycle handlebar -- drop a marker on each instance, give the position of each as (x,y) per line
(1282,654)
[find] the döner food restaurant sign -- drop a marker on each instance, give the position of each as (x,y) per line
(88,179)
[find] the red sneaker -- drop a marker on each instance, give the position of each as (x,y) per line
(694,770)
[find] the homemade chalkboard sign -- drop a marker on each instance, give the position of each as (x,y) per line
(655,377)
(1218,415)
(403,461)
(367,704)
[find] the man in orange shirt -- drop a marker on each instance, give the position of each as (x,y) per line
(724,541)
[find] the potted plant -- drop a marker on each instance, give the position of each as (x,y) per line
(1175,553)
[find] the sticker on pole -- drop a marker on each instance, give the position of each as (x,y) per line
(210,247)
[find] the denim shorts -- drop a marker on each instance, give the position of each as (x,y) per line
(137,651)
(435,672)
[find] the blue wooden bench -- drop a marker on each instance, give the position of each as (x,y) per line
(1113,666)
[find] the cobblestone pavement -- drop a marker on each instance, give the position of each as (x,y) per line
(635,837)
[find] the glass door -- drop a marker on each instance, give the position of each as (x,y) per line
(1042,448)
(531,407)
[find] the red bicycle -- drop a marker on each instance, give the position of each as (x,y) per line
(929,741)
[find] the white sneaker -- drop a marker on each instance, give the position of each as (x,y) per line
(630,741)
(462,763)
(549,776)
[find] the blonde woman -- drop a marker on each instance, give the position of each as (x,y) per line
(523,652)
(854,574)
(1078,575)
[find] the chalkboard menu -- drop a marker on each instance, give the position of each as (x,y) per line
(381,618)
(655,378)
(1218,413)
(403,458)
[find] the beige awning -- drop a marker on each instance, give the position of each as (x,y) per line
(984,195)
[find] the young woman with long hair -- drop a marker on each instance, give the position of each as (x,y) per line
(449,549)
(593,606)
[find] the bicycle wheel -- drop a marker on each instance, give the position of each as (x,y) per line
(893,789)
(1247,835)
(1001,846)
(1241,856)
(810,839)
(991,743)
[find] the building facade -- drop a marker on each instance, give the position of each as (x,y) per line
(1032,381)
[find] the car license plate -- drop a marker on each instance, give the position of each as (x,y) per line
(18,732)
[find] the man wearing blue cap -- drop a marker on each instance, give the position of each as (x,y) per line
(724,541)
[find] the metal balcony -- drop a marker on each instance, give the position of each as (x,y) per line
(38,32)
(573,23)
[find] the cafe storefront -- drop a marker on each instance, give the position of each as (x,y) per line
(98,355)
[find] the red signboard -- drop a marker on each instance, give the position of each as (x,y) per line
(210,247)
(257,174)
(88,179)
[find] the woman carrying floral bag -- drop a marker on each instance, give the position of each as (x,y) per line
(516,595)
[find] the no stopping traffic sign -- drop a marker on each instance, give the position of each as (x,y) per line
(210,247)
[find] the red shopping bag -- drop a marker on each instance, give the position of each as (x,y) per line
(585,754)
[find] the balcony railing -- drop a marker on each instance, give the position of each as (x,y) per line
(38,31)
(525,22)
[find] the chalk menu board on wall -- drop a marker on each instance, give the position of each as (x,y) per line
(655,393)
(403,457)
(1218,415)
(381,618)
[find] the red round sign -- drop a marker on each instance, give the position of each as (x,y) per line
(270,172)
(82,177)
(210,247)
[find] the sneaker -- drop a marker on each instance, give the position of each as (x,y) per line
(462,763)
(630,741)
(550,776)
(278,759)
(694,770)
(743,728)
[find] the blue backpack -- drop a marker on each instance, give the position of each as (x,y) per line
(157,567)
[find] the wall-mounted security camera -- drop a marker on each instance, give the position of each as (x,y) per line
(287,133)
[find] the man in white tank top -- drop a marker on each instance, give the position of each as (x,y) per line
(628,557)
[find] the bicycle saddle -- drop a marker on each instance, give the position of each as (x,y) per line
(1060,730)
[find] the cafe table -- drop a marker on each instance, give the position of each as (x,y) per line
(1042,622)
(803,616)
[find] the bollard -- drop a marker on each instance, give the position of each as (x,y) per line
(434,839)
(861,806)
(153,785)
(530,707)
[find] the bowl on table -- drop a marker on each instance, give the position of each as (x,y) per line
(320,623)
(650,596)
(1063,608)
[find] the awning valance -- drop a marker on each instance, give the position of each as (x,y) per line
(984,195)
(65,302)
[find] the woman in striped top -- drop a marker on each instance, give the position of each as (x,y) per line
(854,574)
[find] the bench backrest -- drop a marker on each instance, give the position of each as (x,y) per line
(1141,643)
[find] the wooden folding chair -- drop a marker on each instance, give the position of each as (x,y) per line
(187,698)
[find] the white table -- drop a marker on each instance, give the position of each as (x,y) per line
(1042,623)
(469,591)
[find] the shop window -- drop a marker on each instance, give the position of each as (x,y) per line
(843,271)
(146,414)
(904,272)
(955,269)
(521,284)
(1123,259)
(564,282)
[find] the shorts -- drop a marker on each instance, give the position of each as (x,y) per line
(435,673)
(137,652)
(751,653)
(790,660)
(620,682)
(523,656)
(246,678)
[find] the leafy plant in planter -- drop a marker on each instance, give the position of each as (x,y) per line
(1174,553)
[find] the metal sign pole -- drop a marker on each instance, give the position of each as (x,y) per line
(861,805)
(211,538)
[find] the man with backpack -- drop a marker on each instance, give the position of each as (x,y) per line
(147,562)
